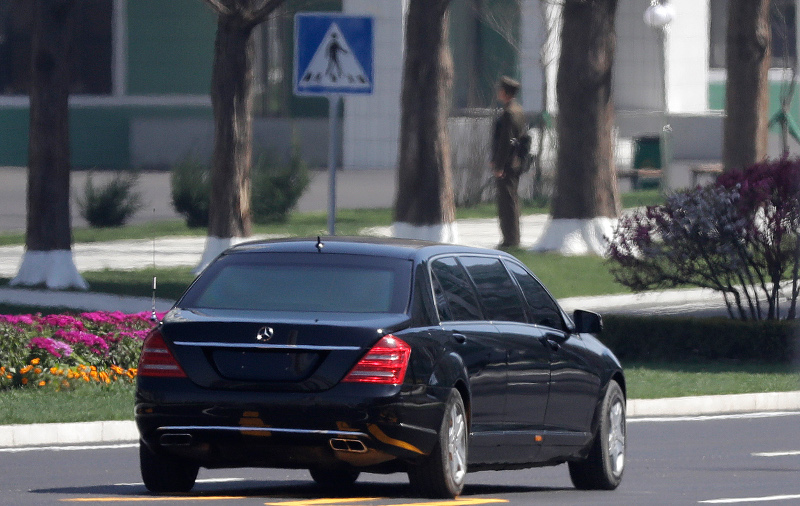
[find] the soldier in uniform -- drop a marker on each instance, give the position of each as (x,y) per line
(506,164)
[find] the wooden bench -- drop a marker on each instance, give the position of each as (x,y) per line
(704,170)
(637,175)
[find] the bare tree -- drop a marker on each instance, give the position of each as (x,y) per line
(586,199)
(424,206)
(747,59)
(232,100)
(48,240)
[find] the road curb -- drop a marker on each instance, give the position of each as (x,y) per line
(67,433)
(40,434)
(714,404)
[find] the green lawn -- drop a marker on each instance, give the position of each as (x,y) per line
(348,222)
(645,381)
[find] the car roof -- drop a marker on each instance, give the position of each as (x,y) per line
(373,246)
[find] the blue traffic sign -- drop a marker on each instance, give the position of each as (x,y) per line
(333,54)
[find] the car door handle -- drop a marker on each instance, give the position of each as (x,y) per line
(549,343)
(460,338)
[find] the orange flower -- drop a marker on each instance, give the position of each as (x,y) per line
(26,369)
(38,370)
(35,361)
(24,381)
(54,371)
(42,383)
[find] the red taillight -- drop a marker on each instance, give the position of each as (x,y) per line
(385,363)
(157,360)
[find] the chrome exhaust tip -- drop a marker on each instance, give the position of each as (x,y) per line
(348,445)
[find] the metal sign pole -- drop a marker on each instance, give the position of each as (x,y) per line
(333,134)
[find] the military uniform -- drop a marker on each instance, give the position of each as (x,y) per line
(507,129)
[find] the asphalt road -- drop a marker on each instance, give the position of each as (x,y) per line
(701,460)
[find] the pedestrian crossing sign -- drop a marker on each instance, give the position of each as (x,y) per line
(333,54)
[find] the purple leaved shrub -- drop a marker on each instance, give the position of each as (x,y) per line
(738,236)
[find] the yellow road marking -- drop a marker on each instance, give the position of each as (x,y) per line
(152,499)
(456,502)
(325,502)
(312,502)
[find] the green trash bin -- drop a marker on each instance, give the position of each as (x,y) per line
(647,152)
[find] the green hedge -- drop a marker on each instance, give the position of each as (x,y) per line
(691,339)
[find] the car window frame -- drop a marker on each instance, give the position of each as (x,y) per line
(566,321)
(519,295)
(470,283)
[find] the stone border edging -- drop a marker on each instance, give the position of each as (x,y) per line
(117,431)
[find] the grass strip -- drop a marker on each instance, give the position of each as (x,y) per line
(645,381)
(84,404)
(660,380)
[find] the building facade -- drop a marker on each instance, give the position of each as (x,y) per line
(140,95)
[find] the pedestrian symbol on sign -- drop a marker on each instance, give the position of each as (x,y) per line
(334,64)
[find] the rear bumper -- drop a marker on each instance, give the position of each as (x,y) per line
(361,425)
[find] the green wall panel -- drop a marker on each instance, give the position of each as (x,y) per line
(99,136)
(170,46)
(14,137)
(716,99)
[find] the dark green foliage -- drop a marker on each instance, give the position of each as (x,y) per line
(112,204)
(191,191)
(701,339)
(277,189)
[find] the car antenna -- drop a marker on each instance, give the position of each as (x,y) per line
(320,245)
(153,316)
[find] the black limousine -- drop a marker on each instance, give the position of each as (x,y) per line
(344,356)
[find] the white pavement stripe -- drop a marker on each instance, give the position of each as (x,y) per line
(776,454)
(751,499)
(207,480)
(735,416)
(66,448)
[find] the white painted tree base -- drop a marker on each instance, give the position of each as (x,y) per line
(576,237)
(54,269)
(442,232)
(214,247)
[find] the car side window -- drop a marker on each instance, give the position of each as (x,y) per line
(541,306)
(496,289)
(456,300)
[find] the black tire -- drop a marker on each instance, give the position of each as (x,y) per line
(163,474)
(334,478)
(603,468)
(441,475)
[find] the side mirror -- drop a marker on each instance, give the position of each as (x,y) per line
(587,322)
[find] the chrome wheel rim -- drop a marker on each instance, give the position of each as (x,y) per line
(457,445)
(616,437)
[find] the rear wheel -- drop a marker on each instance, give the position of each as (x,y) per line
(603,469)
(334,478)
(162,473)
(442,474)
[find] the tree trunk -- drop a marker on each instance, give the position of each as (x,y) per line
(424,200)
(586,181)
(48,239)
(48,226)
(232,99)
(747,59)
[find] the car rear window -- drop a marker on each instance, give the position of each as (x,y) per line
(319,282)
